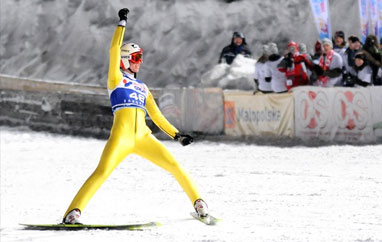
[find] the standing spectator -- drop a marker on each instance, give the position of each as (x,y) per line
(373,56)
(303,49)
(295,70)
(278,78)
(339,43)
(317,52)
(348,61)
(329,69)
(237,46)
(261,72)
(307,57)
(315,60)
(363,70)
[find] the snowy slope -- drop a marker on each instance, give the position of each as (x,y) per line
(182,40)
(263,193)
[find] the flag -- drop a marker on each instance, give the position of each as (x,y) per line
(321,15)
(364,17)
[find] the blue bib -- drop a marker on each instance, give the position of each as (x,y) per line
(129,93)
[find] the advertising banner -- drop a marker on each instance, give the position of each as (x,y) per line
(376,100)
(379,13)
(321,15)
(246,114)
(364,18)
(333,114)
(373,11)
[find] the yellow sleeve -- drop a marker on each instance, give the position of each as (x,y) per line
(158,118)
(115,75)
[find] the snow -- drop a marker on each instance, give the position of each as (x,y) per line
(239,75)
(262,193)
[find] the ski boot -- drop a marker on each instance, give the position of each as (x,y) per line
(73,217)
(201,208)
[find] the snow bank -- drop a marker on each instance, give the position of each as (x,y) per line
(182,40)
(238,75)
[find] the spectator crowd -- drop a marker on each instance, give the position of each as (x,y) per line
(336,62)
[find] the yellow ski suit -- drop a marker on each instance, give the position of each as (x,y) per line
(130,134)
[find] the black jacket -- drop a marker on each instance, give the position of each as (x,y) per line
(229,52)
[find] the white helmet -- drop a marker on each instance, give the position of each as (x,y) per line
(130,52)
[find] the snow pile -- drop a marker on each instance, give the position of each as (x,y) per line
(69,40)
(238,75)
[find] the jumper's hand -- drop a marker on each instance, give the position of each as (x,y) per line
(123,14)
(184,139)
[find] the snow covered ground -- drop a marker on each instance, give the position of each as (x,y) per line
(262,193)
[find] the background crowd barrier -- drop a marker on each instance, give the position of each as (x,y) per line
(196,110)
(85,109)
(350,115)
(56,107)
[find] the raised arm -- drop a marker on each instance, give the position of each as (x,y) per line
(115,75)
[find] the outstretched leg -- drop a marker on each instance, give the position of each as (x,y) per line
(152,149)
(116,149)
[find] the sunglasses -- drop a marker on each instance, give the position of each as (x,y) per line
(136,57)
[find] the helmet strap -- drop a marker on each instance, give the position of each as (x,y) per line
(135,74)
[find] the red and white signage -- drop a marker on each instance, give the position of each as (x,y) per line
(338,114)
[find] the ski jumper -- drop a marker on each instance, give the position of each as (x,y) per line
(131,99)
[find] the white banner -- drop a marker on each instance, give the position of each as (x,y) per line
(261,114)
(376,99)
(333,114)
(321,15)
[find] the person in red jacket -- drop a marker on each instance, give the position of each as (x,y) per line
(294,69)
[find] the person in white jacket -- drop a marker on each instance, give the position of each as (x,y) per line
(278,79)
(329,69)
(262,79)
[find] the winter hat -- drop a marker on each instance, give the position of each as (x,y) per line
(339,34)
(354,38)
(238,35)
(360,55)
(318,46)
(327,41)
(265,49)
(292,44)
(273,48)
(303,49)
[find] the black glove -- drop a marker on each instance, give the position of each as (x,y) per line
(123,14)
(318,70)
(184,139)
(289,60)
